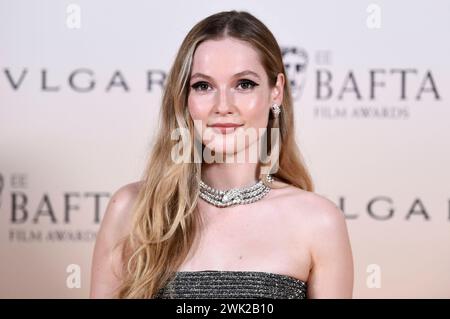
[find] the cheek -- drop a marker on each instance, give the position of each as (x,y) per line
(199,113)
(196,109)
(255,111)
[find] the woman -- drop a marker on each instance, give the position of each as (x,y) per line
(178,233)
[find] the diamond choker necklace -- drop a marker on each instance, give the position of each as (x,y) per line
(235,196)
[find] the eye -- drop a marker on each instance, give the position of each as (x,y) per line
(200,85)
(203,86)
(298,67)
(247,84)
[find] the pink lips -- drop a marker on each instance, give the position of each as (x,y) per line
(225,128)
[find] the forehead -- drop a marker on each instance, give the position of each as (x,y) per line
(225,57)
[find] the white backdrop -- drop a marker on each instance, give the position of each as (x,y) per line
(78,107)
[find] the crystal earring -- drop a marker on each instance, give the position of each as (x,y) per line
(276,109)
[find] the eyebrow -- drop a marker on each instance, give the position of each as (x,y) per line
(246,72)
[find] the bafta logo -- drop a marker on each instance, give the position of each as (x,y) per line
(295,62)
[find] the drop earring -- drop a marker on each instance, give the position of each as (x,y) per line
(276,109)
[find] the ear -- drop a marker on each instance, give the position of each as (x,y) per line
(278,90)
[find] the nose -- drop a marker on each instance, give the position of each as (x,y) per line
(224,105)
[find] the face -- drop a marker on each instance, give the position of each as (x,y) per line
(229,86)
(296,62)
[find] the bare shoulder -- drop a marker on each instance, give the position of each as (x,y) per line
(115,226)
(318,234)
(316,215)
(121,202)
(321,210)
(324,230)
(126,194)
(118,214)
(311,209)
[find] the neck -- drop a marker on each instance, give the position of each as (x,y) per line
(224,176)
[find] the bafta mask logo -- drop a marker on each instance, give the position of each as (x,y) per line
(295,62)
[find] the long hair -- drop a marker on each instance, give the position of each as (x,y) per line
(165,221)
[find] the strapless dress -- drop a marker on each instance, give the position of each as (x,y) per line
(218,284)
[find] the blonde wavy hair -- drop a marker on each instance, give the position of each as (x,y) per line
(165,221)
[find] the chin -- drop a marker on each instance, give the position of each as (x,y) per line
(219,151)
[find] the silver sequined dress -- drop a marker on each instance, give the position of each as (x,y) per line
(233,284)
